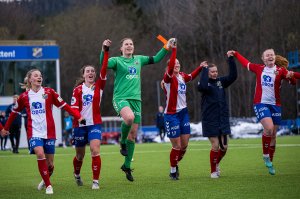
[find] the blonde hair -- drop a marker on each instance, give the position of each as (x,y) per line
(281,61)
(26,84)
(80,80)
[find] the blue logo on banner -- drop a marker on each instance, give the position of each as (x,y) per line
(28,52)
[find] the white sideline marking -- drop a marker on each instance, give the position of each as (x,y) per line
(231,147)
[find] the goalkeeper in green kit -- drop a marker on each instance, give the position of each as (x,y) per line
(127,94)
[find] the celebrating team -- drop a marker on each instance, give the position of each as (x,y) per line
(86,100)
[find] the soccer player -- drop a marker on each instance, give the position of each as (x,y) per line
(267,105)
(177,124)
(86,99)
(127,95)
(214,110)
(38,102)
(15,129)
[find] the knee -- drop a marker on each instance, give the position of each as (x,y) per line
(215,146)
(80,156)
(50,164)
(132,136)
(129,120)
(269,130)
(183,148)
(225,147)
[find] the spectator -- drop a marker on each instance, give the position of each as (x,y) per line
(3,139)
(68,129)
(160,123)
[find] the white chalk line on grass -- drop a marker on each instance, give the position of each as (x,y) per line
(232,147)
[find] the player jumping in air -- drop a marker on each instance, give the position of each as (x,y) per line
(127,95)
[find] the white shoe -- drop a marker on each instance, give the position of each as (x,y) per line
(214,175)
(49,190)
(218,170)
(41,185)
(95,185)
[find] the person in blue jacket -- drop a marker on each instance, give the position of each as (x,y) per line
(214,110)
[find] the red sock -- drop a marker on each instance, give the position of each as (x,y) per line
(181,154)
(77,165)
(221,154)
(43,169)
(174,154)
(213,160)
(96,166)
(50,169)
(266,143)
(271,152)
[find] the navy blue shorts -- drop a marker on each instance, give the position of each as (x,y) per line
(83,135)
(47,144)
(267,110)
(177,124)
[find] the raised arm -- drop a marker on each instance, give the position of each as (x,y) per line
(169,74)
(105,48)
(111,63)
(196,72)
(203,82)
(245,62)
(160,55)
(232,71)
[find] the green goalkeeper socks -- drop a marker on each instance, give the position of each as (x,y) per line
(130,148)
(125,131)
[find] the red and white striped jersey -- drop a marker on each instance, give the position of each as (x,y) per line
(38,106)
(175,90)
(268,83)
(87,100)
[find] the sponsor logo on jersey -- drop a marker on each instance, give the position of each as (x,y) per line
(37,108)
(182,88)
(87,99)
(267,81)
(132,73)
(132,70)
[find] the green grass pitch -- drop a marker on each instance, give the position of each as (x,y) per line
(243,174)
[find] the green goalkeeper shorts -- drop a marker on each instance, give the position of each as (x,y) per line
(134,105)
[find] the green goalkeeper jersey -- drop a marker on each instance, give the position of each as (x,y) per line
(127,72)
